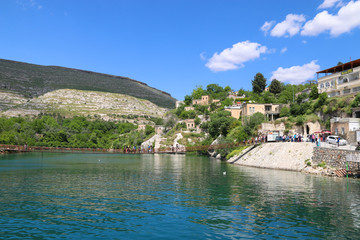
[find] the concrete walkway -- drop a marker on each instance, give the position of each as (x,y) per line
(287,156)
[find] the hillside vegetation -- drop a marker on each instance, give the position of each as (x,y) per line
(32,80)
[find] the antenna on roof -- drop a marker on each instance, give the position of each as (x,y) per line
(350,59)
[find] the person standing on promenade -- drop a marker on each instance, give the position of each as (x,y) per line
(338,141)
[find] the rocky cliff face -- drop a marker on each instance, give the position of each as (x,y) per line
(69,102)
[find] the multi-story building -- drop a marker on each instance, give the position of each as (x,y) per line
(271,111)
(340,80)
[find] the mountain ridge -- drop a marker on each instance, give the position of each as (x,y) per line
(32,80)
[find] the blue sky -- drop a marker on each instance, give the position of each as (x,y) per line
(175,45)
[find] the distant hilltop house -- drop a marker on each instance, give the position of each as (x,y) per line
(340,80)
(203,101)
(233,95)
(178,103)
(306,90)
(191,126)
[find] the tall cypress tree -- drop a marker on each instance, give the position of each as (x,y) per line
(258,83)
(275,86)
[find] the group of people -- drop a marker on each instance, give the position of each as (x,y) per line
(134,149)
(256,140)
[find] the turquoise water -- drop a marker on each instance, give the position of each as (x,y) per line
(84,196)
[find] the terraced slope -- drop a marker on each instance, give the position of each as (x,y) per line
(70,102)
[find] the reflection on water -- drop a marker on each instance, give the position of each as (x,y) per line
(168,196)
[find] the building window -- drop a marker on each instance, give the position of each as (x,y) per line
(342,131)
(333,94)
(336,131)
(327,84)
(267,108)
(356,89)
(346,91)
(322,85)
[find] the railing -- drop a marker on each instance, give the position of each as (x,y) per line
(17,148)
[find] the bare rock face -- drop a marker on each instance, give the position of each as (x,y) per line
(70,102)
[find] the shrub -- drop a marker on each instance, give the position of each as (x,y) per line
(235,152)
(322,164)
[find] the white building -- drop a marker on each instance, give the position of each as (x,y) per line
(340,80)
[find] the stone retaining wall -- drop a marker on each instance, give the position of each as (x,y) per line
(335,158)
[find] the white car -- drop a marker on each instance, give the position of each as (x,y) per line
(332,139)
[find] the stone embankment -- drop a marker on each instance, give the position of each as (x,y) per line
(286,156)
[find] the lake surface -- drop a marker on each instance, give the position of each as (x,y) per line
(90,196)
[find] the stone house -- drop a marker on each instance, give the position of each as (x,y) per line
(189,108)
(345,127)
(235,111)
(205,100)
(190,124)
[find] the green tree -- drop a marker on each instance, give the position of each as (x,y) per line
(149,130)
(198,92)
(275,86)
(227,102)
(197,121)
(321,100)
(188,100)
(238,134)
(301,98)
(220,123)
(268,98)
(253,122)
(258,83)
(227,89)
(284,112)
(314,94)
(242,92)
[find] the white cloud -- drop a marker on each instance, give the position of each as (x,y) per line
(27,4)
(235,57)
(296,74)
(202,56)
(284,50)
(267,26)
(304,41)
(289,27)
(344,21)
(330,4)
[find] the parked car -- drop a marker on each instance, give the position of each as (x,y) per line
(332,139)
